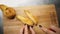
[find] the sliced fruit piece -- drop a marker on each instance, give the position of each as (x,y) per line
(25,20)
(33,18)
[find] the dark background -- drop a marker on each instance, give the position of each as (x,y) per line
(57,5)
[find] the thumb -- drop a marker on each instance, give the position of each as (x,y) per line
(32,31)
(26,30)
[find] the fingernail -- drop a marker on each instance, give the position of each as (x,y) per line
(32,26)
(40,26)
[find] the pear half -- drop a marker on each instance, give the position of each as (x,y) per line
(33,18)
(25,20)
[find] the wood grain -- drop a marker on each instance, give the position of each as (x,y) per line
(45,13)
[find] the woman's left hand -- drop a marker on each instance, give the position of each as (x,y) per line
(24,30)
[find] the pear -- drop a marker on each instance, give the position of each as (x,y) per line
(25,20)
(8,11)
(33,18)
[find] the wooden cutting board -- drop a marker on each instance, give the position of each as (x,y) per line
(45,13)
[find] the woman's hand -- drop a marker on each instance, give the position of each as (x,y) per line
(24,30)
(52,30)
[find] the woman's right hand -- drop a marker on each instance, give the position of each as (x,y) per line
(52,30)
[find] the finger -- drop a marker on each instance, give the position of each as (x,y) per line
(32,31)
(21,31)
(47,30)
(54,28)
(26,30)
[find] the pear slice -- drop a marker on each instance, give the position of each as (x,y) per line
(25,20)
(33,18)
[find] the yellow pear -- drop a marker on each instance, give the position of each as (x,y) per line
(8,11)
(33,18)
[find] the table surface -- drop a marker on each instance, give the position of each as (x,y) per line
(57,5)
(45,13)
